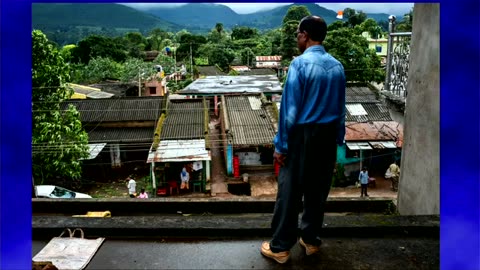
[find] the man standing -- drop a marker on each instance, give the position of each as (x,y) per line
(311,124)
(395,171)
(131,185)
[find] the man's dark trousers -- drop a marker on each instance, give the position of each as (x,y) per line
(308,171)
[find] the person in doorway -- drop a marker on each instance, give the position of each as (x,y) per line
(395,175)
(311,124)
(363,178)
(143,194)
(185,177)
(131,185)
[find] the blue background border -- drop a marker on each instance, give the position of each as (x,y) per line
(459,134)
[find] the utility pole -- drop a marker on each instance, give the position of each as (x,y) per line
(191,60)
(175,68)
(139,84)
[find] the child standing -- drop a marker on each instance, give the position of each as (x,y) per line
(363,178)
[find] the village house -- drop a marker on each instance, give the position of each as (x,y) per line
(181,139)
(268,61)
(120,131)
(248,125)
(372,138)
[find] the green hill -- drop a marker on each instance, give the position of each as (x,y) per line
(197,15)
(69,23)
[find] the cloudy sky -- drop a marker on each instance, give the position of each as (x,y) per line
(244,8)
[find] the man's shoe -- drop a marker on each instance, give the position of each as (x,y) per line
(309,249)
(280,257)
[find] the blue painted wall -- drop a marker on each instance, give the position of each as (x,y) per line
(341,156)
(229,159)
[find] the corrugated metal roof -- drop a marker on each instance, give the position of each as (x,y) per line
(94,149)
(233,84)
(360,94)
(375,131)
(268,58)
(184,120)
(374,112)
(138,134)
(248,126)
(178,151)
(118,109)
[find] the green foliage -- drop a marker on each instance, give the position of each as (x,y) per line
(372,27)
(98,46)
(187,42)
(339,178)
(406,24)
(167,63)
(221,57)
(233,73)
(247,56)
(201,61)
(295,13)
(289,27)
(97,70)
(243,32)
(135,69)
(354,17)
(289,47)
(361,63)
(58,138)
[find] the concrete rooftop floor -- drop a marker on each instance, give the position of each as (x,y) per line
(244,253)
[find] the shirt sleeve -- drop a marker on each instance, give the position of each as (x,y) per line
(341,122)
(289,107)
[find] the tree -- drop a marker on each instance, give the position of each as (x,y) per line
(243,32)
(219,27)
(58,138)
(354,17)
(361,63)
(289,28)
(296,13)
(406,24)
(336,25)
(247,56)
(99,69)
(221,57)
(99,46)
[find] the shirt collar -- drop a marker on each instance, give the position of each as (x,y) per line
(318,48)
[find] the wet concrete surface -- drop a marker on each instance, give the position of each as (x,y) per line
(243,253)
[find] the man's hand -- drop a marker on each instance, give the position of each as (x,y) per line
(279,158)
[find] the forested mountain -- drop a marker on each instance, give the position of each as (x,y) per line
(197,15)
(70,22)
(207,15)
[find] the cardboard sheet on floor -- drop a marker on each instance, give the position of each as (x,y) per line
(69,252)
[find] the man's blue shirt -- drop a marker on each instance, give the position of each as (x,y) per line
(314,93)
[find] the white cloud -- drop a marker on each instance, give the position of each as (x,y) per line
(245,8)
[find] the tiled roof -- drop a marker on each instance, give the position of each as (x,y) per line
(375,131)
(118,109)
(249,126)
(131,135)
(184,120)
(268,58)
(375,112)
